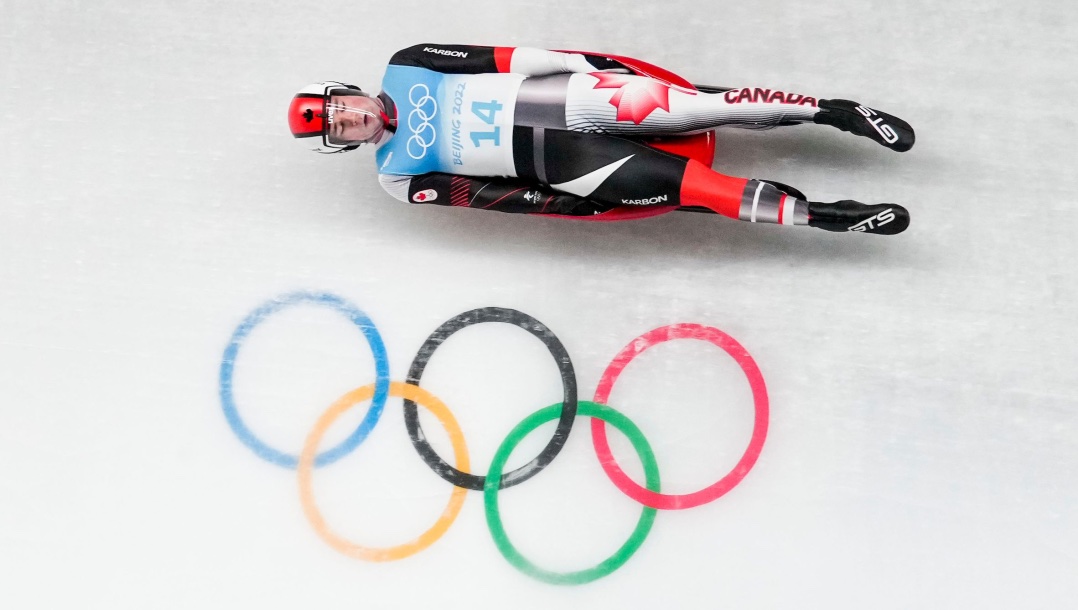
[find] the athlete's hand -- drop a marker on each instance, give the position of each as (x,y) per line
(886,129)
(579,62)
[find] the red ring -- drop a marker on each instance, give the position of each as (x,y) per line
(759,430)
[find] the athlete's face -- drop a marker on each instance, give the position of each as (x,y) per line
(355,118)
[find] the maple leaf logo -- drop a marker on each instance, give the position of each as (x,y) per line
(636,97)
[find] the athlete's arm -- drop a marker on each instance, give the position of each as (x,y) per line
(499,194)
(469,59)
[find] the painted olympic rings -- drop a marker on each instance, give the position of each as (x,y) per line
(420,130)
(381,375)
(759,430)
(306,463)
(598,413)
(565,412)
(569,399)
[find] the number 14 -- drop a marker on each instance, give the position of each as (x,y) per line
(486,112)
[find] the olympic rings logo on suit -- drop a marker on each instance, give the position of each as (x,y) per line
(419,131)
(459,473)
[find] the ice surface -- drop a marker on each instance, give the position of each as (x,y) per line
(923,440)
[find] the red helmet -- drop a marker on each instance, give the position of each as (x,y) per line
(309,116)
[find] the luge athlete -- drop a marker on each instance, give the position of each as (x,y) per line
(533,131)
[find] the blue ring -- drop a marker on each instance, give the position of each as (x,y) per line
(381,388)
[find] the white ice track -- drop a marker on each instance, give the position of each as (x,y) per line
(923,440)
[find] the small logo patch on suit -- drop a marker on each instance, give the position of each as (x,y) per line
(425,196)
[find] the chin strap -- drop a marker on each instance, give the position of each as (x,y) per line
(389,115)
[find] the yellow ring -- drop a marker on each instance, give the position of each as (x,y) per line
(310,449)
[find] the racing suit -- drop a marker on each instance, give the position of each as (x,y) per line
(535,131)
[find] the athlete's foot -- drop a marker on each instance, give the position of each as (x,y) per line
(888,130)
(847,215)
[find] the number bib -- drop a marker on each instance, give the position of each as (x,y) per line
(452,123)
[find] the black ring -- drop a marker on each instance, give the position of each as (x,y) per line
(568,409)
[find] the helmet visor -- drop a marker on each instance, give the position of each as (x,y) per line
(349,122)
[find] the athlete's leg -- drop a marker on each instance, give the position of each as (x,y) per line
(617,171)
(638,106)
(764,201)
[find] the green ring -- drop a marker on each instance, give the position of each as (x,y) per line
(490,494)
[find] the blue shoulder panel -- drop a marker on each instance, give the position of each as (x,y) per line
(419,146)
